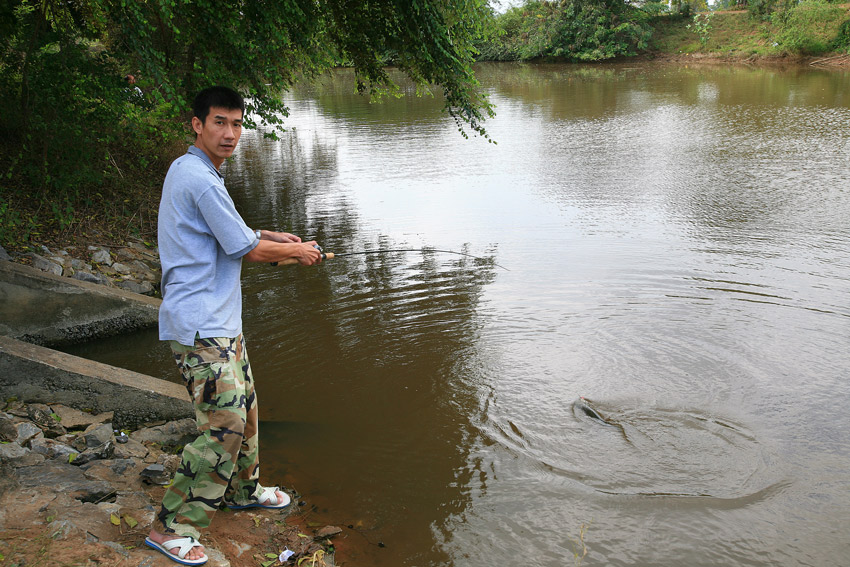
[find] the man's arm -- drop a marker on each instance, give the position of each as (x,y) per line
(281,246)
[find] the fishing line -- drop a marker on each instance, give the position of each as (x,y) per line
(329,255)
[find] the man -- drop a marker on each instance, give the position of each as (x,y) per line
(202,241)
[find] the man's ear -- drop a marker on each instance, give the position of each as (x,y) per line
(197,125)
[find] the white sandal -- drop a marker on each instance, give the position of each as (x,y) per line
(266,499)
(186,544)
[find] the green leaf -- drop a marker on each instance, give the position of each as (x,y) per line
(115,520)
(131,521)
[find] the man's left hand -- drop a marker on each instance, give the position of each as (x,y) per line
(284,237)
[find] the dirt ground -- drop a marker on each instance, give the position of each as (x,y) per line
(43,528)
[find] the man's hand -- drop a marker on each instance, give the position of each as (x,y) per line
(309,253)
(284,237)
(271,250)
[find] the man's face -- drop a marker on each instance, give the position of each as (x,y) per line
(218,135)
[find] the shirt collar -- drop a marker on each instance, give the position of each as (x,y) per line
(198,152)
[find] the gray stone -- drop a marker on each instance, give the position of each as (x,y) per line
(115,471)
(216,558)
(8,429)
(98,434)
(142,287)
(147,272)
(48,421)
(4,255)
(171,434)
(90,278)
(102,256)
(18,456)
(121,268)
(45,265)
(65,478)
(78,265)
(27,431)
(117,547)
(132,449)
(52,449)
(155,474)
(105,451)
(72,418)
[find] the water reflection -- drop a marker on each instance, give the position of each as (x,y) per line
(678,252)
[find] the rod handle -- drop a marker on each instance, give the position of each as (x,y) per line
(290,261)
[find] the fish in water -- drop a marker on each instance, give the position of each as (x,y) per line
(590,411)
(584,405)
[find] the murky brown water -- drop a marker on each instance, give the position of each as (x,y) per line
(678,251)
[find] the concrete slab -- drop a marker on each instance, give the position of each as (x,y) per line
(46,309)
(33,373)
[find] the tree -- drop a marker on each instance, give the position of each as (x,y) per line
(581,30)
(76,127)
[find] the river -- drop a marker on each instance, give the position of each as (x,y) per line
(670,242)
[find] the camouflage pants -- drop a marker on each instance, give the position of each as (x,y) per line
(223,462)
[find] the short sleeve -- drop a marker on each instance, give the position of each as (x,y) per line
(219,212)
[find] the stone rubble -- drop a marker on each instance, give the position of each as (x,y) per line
(134,267)
(67,476)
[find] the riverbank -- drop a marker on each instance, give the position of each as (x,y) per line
(74,491)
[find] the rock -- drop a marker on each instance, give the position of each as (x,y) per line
(71,418)
(155,474)
(8,429)
(18,456)
(146,272)
(91,278)
(44,417)
(328,531)
(118,472)
(117,547)
(101,256)
(142,287)
(98,434)
(7,482)
(171,434)
(44,264)
(52,449)
(4,255)
(78,265)
(121,268)
(66,479)
(131,450)
(27,431)
(105,451)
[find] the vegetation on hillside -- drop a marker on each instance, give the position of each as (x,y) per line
(595,30)
(96,91)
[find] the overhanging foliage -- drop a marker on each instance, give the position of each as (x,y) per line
(77,130)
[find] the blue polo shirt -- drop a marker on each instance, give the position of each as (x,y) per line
(201,243)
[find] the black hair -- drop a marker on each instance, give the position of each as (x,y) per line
(223,97)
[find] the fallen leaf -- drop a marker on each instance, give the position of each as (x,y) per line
(116,521)
(131,521)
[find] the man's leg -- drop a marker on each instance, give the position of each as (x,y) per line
(215,379)
(244,485)
(244,488)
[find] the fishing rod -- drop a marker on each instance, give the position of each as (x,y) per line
(330,255)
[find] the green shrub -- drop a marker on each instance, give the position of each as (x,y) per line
(810,28)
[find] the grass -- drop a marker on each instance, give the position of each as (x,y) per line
(737,34)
